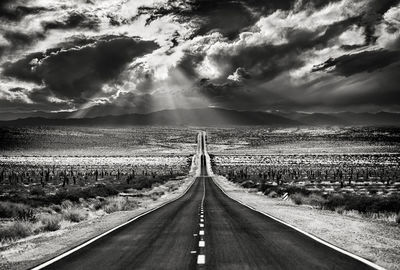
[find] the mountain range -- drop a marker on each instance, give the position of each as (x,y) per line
(215,117)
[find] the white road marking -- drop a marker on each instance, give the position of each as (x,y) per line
(201,232)
(193,252)
(201,259)
(195,234)
(202,243)
(201,225)
(201,220)
(201,216)
(354,256)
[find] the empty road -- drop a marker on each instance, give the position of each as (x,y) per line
(205,229)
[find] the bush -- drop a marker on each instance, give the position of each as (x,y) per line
(37,191)
(297,198)
(27,215)
(51,223)
(75,194)
(56,208)
(74,215)
(272,194)
(115,204)
(18,229)
(67,204)
(364,204)
(12,210)
(316,200)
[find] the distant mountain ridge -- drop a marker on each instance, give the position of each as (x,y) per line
(219,117)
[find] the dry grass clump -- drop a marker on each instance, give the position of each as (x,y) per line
(74,215)
(51,223)
(313,199)
(114,204)
(12,210)
(67,204)
(16,230)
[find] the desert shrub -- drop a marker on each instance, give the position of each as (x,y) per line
(74,215)
(272,194)
(115,204)
(51,223)
(280,190)
(18,229)
(316,200)
(27,215)
(297,198)
(37,191)
(248,184)
(364,204)
(75,194)
(97,205)
(17,210)
(340,210)
(67,204)
(11,210)
(56,208)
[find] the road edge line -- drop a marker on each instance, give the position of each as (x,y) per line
(320,240)
(88,242)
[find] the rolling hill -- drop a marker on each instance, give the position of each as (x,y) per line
(218,117)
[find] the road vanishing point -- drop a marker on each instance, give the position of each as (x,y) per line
(205,229)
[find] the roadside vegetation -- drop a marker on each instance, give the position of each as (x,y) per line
(26,211)
(338,197)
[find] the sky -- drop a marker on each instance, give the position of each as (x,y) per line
(87,58)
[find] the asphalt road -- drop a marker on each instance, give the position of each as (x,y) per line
(235,237)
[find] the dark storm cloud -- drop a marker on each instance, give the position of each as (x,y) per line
(373,15)
(265,62)
(225,16)
(18,105)
(239,54)
(237,95)
(12,11)
(23,68)
(19,39)
(229,17)
(73,20)
(79,73)
(367,61)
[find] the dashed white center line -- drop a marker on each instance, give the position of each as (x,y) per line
(201,259)
(201,220)
(201,232)
(193,251)
(201,225)
(202,243)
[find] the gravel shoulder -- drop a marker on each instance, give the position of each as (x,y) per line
(39,248)
(377,241)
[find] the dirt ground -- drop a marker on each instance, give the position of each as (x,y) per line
(377,241)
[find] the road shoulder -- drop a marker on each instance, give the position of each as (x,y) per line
(376,241)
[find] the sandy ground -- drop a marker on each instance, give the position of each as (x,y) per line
(33,250)
(374,240)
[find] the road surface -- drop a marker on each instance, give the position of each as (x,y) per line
(205,229)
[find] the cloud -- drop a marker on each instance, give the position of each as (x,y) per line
(12,10)
(367,61)
(143,55)
(73,20)
(79,73)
